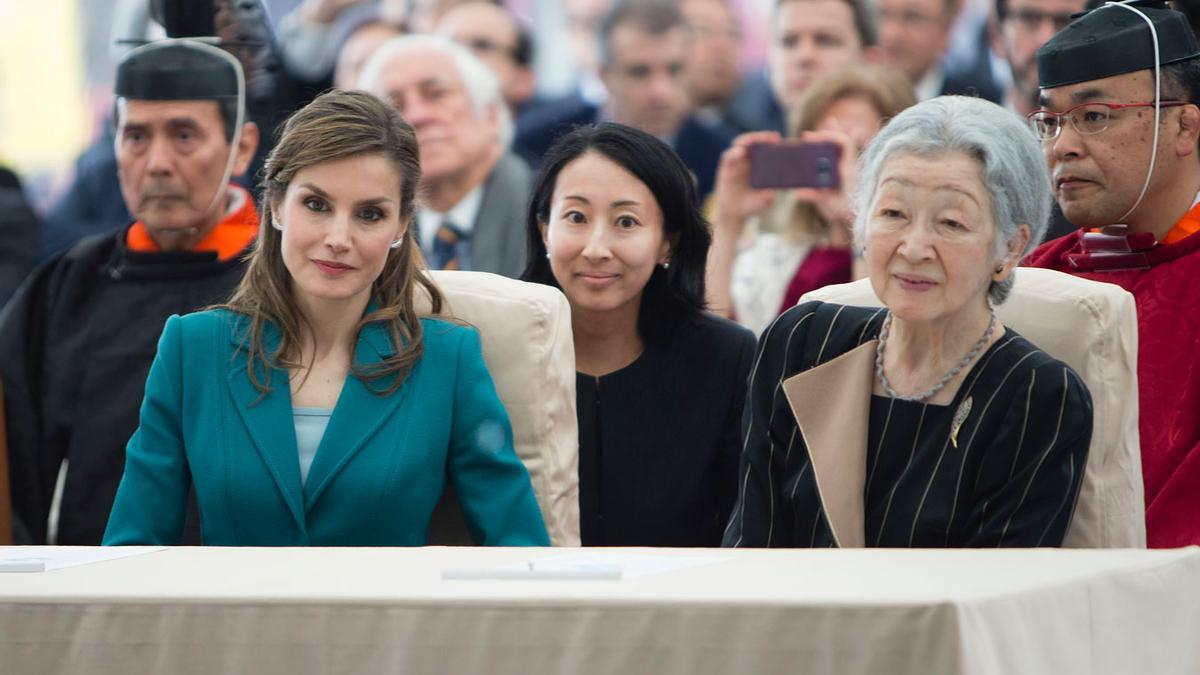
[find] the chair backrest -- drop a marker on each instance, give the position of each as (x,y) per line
(1092,327)
(6,530)
(527,345)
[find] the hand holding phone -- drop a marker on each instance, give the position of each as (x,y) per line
(792,164)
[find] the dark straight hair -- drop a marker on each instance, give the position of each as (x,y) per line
(674,296)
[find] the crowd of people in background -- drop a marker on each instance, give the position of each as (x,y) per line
(250,187)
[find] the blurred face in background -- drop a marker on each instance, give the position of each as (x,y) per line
(854,115)
(492,34)
(645,78)
(1024,28)
(357,48)
(810,37)
(713,71)
(913,34)
(455,139)
(423,15)
(583,23)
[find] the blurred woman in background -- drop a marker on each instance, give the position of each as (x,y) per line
(770,247)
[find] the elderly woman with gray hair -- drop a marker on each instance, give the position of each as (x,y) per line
(925,423)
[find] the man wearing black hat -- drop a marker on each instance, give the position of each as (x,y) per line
(1127,172)
(77,339)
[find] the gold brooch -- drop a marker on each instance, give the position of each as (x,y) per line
(960,416)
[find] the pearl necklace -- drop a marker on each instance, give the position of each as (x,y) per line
(962,363)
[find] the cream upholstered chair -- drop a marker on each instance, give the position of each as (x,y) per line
(525,329)
(1092,327)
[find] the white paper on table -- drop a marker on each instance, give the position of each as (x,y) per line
(29,558)
(585,567)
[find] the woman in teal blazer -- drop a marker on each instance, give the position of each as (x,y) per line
(324,322)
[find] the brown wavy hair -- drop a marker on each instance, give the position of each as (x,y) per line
(336,125)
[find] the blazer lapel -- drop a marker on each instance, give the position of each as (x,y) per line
(832,406)
(498,238)
(268,419)
(359,414)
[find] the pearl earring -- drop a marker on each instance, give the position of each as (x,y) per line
(276,224)
(547,255)
(666,265)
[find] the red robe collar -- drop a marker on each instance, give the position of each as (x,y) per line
(1085,251)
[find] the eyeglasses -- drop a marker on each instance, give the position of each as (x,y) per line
(1086,118)
(486,46)
(1032,19)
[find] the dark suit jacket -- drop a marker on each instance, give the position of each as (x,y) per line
(498,237)
(18,235)
(659,439)
(698,143)
(755,104)
(1000,466)
(971,84)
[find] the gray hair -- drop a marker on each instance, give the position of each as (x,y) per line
(1014,170)
(483,87)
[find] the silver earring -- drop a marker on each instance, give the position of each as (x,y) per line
(276,224)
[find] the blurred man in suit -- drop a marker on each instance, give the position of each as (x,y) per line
(913,36)
(1020,27)
(808,38)
(474,190)
(644,59)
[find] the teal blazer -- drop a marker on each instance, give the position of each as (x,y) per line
(378,472)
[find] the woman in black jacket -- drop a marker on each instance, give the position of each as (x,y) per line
(661,383)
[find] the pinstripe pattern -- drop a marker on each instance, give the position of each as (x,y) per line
(1013,482)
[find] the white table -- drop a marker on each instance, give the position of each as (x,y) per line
(267,611)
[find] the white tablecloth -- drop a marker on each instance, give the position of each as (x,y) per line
(265,611)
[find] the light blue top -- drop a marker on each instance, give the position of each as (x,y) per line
(310,428)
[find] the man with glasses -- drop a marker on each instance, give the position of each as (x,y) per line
(1019,28)
(1127,172)
(498,39)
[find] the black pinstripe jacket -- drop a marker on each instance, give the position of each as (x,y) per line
(826,464)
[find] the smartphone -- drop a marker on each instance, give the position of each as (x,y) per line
(793,164)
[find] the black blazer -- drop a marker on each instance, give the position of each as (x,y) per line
(658,440)
(825,463)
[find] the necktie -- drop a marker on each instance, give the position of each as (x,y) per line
(448,248)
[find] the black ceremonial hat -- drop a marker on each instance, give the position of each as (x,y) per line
(1109,41)
(176,70)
